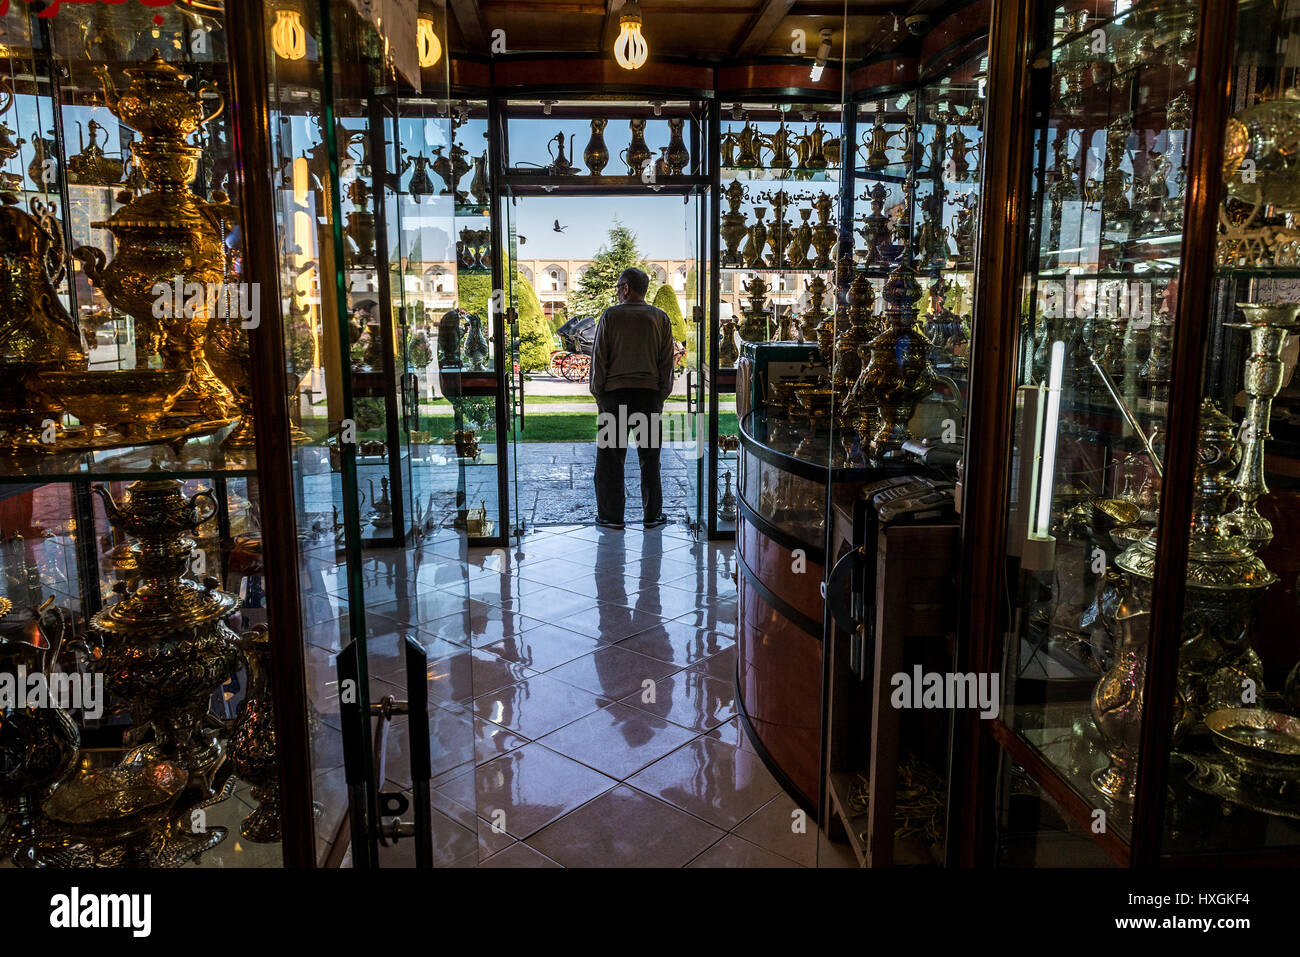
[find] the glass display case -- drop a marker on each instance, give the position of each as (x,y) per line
(135,584)
(1146,711)
(775,275)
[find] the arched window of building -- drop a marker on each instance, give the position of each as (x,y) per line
(657,273)
(526,273)
(679,279)
(557,279)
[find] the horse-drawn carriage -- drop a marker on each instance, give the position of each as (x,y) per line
(573,362)
(578,336)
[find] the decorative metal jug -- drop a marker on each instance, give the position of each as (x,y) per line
(1267,136)
(637,153)
(421,184)
(478,186)
(732,226)
(38,744)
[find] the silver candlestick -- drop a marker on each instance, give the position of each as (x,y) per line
(1269,325)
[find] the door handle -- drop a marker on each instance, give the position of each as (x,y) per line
(690,391)
(846,606)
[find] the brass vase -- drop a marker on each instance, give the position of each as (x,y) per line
(253,743)
(34,326)
(168,235)
(899,374)
(757,239)
(678,157)
(596,155)
(166,647)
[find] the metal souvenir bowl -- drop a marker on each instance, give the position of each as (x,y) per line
(132,401)
(1256,739)
(118,799)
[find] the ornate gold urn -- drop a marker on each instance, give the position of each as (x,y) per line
(166,647)
(166,236)
(899,374)
(732,226)
(1261,153)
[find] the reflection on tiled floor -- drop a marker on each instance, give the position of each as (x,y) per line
(581,692)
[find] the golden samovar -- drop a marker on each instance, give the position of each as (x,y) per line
(753,328)
(899,374)
(815,314)
(823,232)
(167,235)
(732,226)
(166,647)
(853,334)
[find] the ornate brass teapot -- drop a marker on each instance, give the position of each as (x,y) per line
(157,104)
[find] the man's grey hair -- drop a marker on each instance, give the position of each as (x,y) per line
(636,279)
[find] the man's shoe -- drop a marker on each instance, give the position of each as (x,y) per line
(605,524)
(656,522)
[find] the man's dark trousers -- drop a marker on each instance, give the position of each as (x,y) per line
(611,455)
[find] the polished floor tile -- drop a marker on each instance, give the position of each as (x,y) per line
(625,828)
(712,780)
(733,851)
(544,648)
(721,666)
(481,630)
(678,642)
(537,706)
(784,828)
(689,699)
(518,855)
(612,671)
(525,790)
(618,740)
(471,674)
(610,622)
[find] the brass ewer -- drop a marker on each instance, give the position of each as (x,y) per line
(678,156)
(754,326)
(168,235)
(166,647)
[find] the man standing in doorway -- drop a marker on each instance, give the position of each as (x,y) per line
(631,378)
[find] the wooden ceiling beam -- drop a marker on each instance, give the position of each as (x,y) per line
(470,20)
(761,27)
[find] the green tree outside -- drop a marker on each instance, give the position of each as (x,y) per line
(596,289)
(666,300)
(535,338)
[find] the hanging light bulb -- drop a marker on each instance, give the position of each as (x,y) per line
(429,46)
(288,35)
(630,49)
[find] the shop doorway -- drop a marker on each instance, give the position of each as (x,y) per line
(563,255)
